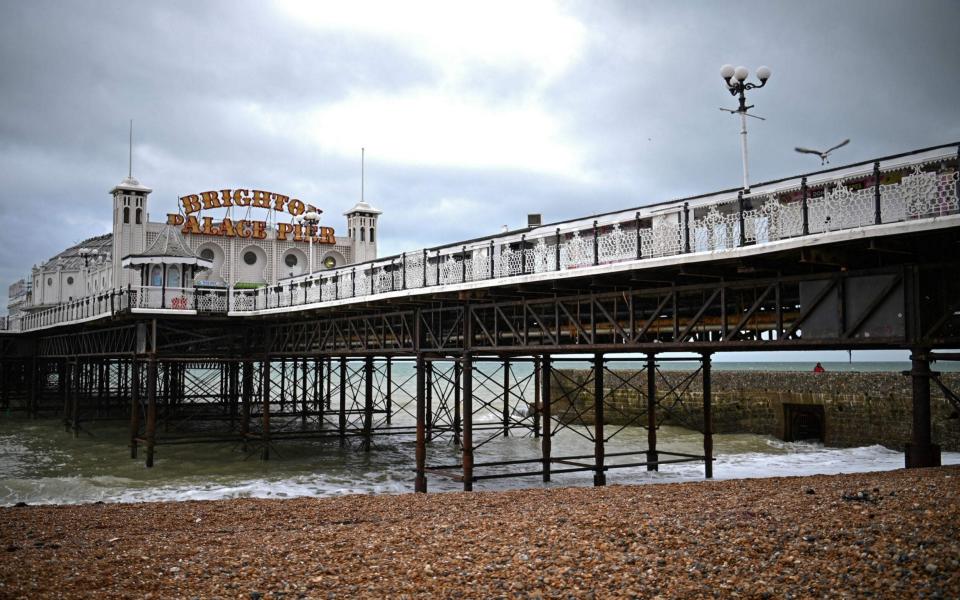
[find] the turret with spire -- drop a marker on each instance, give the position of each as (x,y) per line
(362,223)
(129,220)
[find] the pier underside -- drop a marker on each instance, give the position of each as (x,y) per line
(470,368)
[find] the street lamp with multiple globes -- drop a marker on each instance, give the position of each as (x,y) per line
(736,81)
(310,220)
(86,253)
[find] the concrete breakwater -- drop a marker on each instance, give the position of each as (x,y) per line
(840,409)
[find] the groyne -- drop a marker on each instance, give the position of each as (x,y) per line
(840,409)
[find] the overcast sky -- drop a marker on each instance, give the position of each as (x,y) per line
(472,114)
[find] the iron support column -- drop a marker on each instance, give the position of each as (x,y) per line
(246,401)
(79,383)
(653,457)
(428,391)
(342,418)
(599,475)
(368,403)
(921,452)
(134,406)
(707,419)
(388,400)
(506,398)
(467,379)
(545,419)
(265,417)
(151,431)
(536,397)
(420,484)
(64,383)
(457,415)
(303,393)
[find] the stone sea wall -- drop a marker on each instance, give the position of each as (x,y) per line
(854,409)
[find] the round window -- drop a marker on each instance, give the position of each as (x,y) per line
(329,262)
(49,280)
(250,257)
(207,254)
(291,260)
(69,280)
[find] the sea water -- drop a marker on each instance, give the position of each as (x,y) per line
(41,464)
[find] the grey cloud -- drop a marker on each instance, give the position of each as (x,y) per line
(641,105)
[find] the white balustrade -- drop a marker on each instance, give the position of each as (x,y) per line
(925,188)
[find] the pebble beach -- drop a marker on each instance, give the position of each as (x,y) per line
(886,535)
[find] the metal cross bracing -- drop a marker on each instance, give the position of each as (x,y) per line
(564,402)
(887,307)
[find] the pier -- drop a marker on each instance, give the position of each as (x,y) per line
(865,256)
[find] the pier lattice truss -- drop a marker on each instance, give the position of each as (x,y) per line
(465,344)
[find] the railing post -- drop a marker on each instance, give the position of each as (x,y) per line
(557,250)
(438,266)
(403,271)
(336,286)
(353,282)
(491,260)
(876,193)
(804,208)
(523,254)
(639,249)
(743,229)
(424,268)
(372,276)
(463,265)
(393,280)
(686,227)
(957,191)
(596,245)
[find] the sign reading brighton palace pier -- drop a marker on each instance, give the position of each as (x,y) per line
(192,223)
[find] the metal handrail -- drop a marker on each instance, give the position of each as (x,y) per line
(906,187)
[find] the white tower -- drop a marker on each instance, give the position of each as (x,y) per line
(129,227)
(362,231)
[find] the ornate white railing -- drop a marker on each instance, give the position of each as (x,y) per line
(919,185)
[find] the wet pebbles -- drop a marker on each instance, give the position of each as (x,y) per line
(887,535)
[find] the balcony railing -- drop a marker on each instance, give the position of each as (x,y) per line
(911,187)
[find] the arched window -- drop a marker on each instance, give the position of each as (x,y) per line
(372,238)
(361,234)
(156,276)
(139,216)
(173,276)
(126,214)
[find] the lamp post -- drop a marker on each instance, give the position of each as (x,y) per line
(310,220)
(736,81)
(86,253)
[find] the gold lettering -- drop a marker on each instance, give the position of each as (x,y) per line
(259,230)
(208,228)
(282,230)
(191,204)
(210,200)
(295,207)
(225,198)
(174,219)
(241,197)
(326,236)
(227,229)
(243,228)
(261,199)
(191,225)
(297,233)
(279,200)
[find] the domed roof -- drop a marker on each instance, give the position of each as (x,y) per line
(363,207)
(130,184)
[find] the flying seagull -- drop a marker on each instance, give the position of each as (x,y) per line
(823,155)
